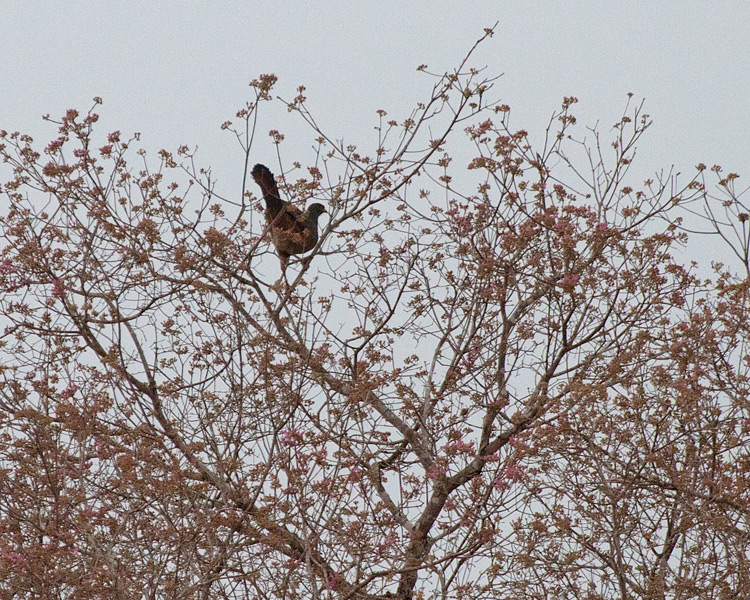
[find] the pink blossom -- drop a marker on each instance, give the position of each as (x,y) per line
(568,282)
(69,391)
(436,472)
(58,288)
(513,473)
(354,475)
(509,475)
(479,130)
(459,447)
(470,358)
(53,146)
(334,579)
(17,560)
(291,437)
(388,541)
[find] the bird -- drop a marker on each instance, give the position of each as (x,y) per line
(292,230)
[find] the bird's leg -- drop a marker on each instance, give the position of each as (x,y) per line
(284,260)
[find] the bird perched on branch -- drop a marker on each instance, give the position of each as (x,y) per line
(292,231)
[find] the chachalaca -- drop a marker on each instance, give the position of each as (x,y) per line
(292,231)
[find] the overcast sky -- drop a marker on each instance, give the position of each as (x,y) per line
(176,70)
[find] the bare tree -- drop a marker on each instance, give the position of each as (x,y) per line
(490,378)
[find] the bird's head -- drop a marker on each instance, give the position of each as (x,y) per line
(315,210)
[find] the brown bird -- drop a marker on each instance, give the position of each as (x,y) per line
(292,231)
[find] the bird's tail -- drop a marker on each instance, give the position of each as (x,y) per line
(266,181)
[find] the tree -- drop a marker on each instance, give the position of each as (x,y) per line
(492,379)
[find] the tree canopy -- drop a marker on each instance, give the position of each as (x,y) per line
(496,375)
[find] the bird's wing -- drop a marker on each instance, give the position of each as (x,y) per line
(289,217)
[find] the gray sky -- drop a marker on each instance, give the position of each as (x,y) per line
(175,71)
